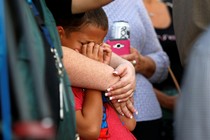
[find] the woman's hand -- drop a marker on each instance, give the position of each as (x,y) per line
(124,88)
(143,64)
(134,57)
(125,108)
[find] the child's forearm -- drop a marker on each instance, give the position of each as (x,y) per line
(130,123)
(89,122)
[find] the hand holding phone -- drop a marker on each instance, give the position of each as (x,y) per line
(120,46)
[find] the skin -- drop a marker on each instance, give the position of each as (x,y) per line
(161,16)
(116,89)
(161,19)
(144,65)
(83,43)
(116,86)
(166,101)
(87,120)
(79,6)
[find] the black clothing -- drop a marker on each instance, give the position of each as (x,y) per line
(167,40)
(61,9)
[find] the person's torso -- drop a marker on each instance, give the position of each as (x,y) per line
(131,11)
(189,27)
(116,130)
(167,40)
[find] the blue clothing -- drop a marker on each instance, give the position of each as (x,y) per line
(144,39)
(192,112)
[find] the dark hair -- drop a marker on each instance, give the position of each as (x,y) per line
(95,17)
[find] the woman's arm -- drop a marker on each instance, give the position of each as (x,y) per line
(74,6)
(88,120)
(79,6)
(144,65)
(82,69)
(166,101)
(153,50)
(127,80)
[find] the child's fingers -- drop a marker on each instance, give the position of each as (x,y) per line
(89,49)
(101,54)
(95,52)
(84,49)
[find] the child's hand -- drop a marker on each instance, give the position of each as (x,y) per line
(97,52)
(92,51)
(107,53)
(125,108)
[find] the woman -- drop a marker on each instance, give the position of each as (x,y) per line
(151,64)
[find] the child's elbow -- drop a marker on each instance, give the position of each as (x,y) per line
(92,133)
(132,127)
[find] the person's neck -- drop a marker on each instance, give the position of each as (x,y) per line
(150,1)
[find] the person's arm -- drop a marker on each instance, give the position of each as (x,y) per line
(153,50)
(124,108)
(81,69)
(144,65)
(79,6)
(166,101)
(127,78)
(65,8)
(101,76)
(88,120)
(130,123)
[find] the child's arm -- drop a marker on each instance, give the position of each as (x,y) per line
(103,53)
(90,117)
(130,123)
(88,120)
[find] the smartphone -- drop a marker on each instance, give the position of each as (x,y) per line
(120,46)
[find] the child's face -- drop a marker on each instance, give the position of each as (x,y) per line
(89,33)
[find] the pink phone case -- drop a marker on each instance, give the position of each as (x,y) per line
(120,46)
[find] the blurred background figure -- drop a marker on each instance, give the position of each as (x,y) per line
(192,110)
(188,27)
(193,106)
(160,14)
